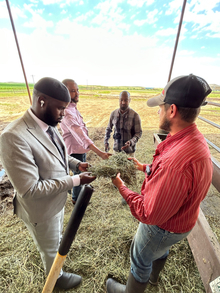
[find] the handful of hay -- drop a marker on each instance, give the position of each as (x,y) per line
(117,163)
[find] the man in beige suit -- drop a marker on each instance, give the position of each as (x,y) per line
(36,161)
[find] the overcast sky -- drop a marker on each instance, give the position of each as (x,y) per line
(113,42)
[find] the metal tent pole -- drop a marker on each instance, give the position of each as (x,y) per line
(177,38)
(19,52)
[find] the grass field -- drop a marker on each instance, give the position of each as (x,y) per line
(101,247)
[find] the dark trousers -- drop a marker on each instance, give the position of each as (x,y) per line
(76,189)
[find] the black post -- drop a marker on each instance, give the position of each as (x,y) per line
(75,219)
(69,234)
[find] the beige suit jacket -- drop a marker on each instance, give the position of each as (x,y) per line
(36,170)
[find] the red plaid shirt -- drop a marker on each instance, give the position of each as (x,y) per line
(181,173)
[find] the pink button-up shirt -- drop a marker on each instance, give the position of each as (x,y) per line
(75,133)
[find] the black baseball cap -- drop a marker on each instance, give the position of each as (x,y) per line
(53,88)
(188,91)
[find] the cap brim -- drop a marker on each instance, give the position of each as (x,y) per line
(156,101)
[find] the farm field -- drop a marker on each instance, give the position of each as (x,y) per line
(101,247)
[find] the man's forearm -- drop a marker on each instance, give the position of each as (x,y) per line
(107,135)
(93,148)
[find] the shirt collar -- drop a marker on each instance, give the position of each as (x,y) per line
(73,105)
(42,124)
(172,138)
(126,112)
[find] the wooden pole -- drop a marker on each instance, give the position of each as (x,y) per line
(19,52)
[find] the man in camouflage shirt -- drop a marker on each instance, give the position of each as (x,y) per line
(127,126)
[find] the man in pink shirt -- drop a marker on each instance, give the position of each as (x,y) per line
(175,183)
(75,133)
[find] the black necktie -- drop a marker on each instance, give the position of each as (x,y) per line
(55,139)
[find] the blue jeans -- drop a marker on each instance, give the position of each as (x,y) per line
(77,189)
(150,243)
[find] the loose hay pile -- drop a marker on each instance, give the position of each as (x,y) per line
(117,163)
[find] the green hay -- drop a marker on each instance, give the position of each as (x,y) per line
(117,163)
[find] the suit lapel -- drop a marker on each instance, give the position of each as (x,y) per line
(42,137)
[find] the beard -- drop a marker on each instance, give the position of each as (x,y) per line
(75,100)
(165,124)
(49,118)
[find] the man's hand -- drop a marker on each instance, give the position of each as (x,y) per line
(117,181)
(83,166)
(86,177)
(127,144)
(105,156)
(137,164)
(107,148)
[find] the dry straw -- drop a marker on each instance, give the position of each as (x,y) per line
(117,163)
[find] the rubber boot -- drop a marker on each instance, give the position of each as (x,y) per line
(157,266)
(132,286)
(114,287)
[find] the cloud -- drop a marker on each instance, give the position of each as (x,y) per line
(110,16)
(48,2)
(140,22)
(151,18)
(67,2)
(217,35)
(173,7)
(206,67)
(63,11)
(38,22)
(16,11)
(200,14)
(149,2)
(99,58)
(166,32)
(140,3)
(185,53)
